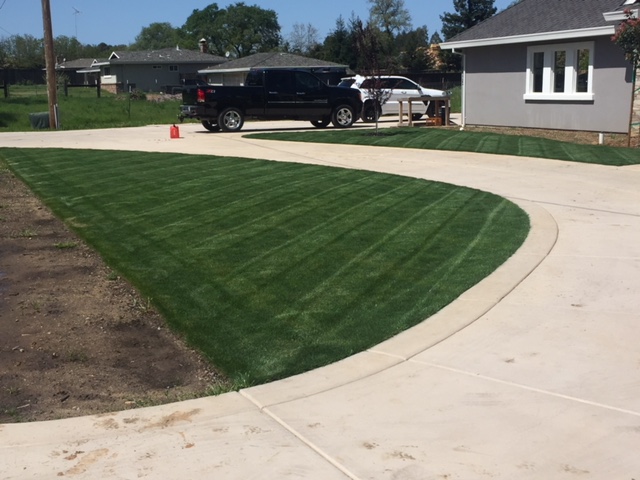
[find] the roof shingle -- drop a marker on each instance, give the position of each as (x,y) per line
(165,55)
(541,16)
(275,59)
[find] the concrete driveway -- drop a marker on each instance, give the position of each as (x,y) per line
(532,374)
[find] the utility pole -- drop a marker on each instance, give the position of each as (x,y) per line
(50,61)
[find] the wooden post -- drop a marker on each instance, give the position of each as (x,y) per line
(50,60)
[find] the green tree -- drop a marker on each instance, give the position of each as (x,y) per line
(243,30)
(201,24)
(157,36)
(68,48)
(23,51)
(101,50)
(413,49)
(339,45)
(467,14)
(390,16)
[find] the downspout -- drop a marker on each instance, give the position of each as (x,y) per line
(463,100)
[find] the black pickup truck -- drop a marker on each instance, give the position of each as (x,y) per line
(275,94)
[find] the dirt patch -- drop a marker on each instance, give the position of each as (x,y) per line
(586,138)
(75,339)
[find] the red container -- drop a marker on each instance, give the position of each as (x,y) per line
(174,131)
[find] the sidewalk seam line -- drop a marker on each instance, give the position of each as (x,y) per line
(525,387)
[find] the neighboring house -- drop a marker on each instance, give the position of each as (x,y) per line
(153,71)
(547,64)
(80,71)
(235,71)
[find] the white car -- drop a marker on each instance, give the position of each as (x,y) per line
(394,87)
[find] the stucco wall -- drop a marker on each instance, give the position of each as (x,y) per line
(495,82)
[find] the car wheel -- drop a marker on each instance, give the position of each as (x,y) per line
(371,112)
(231,119)
(343,116)
(321,123)
(212,127)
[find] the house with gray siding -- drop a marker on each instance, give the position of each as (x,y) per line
(161,70)
(547,64)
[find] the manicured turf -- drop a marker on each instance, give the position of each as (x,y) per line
(269,268)
(481,142)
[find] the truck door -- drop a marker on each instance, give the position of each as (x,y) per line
(280,92)
(312,95)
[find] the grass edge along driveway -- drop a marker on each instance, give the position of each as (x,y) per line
(272,269)
(465,141)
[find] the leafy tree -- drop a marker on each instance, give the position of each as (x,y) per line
(23,51)
(303,39)
(243,30)
(627,37)
(68,48)
(101,50)
(413,47)
(157,36)
(201,24)
(467,14)
(390,16)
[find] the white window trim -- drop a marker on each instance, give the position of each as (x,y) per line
(570,73)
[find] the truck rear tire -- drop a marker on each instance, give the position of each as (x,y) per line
(321,123)
(371,112)
(231,119)
(343,116)
(212,127)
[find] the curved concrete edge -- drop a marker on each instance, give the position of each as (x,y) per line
(138,420)
(462,312)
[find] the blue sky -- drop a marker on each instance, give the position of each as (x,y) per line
(119,22)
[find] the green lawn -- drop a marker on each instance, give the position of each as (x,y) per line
(82,109)
(272,269)
(464,141)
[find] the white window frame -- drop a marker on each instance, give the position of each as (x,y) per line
(570,73)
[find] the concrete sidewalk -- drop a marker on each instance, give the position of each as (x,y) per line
(532,374)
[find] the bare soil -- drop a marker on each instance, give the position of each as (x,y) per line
(75,339)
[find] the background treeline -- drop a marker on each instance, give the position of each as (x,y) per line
(240,30)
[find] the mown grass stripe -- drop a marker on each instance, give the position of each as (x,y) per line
(269,268)
(455,140)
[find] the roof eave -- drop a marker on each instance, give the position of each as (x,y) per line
(273,67)
(619,15)
(228,70)
(533,37)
